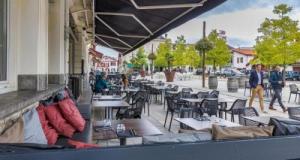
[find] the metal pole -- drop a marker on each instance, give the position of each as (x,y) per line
(203,57)
(151,67)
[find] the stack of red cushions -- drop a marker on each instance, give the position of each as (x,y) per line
(72,114)
(57,120)
(63,116)
(49,131)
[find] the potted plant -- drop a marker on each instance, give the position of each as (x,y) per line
(169,73)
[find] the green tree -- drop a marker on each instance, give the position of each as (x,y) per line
(220,54)
(164,48)
(179,52)
(140,59)
(279,40)
(192,57)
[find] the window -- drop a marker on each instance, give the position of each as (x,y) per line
(241,60)
(3,40)
(238,60)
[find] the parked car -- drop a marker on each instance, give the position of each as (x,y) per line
(231,72)
(292,75)
(198,72)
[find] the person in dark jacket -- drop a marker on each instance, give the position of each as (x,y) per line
(257,86)
(100,84)
(277,84)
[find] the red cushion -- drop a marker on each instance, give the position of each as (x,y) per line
(58,122)
(72,114)
(49,131)
(79,145)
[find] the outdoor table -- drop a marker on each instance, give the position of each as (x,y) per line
(141,127)
(127,90)
(108,105)
(265,120)
(205,124)
(107,97)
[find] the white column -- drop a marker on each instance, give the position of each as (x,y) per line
(57,45)
(33,53)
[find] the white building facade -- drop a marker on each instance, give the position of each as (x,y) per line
(241,57)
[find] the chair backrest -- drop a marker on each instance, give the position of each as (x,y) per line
(187,90)
(170,104)
(248,112)
(238,106)
(214,94)
(294,113)
(210,106)
(175,88)
(169,86)
(185,94)
(138,108)
(293,88)
(202,94)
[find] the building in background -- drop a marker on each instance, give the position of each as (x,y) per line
(241,57)
(108,64)
(148,49)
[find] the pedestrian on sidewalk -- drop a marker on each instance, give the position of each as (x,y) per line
(277,84)
(257,86)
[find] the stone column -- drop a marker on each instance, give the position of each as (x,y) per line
(33,44)
(57,52)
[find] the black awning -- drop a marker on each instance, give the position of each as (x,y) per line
(125,25)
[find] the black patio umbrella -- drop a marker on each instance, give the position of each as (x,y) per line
(125,25)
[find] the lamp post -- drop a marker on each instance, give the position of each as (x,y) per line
(203,46)
(152,57)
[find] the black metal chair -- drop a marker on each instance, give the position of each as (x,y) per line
(202,94)
(209,106)
(175,88)
(173,107)
(134,112)
(294,113)
(237,108)
(248,112)
(185,94)
(214,94)
(294,90)
(187,90)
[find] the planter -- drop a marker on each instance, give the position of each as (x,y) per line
(232,84)
(170,76)
(242,81)
(213,82)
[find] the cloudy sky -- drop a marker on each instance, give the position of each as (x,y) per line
(239,18)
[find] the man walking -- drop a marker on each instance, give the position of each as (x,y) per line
(256,84)
(277,84)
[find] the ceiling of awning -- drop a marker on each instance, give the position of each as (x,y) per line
(125,25)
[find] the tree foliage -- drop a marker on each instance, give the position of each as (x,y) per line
(140,59)
(220,54)
(192,57)
(278,43)
(180,52)
(164,50)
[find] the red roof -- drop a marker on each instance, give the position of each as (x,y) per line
(247,52)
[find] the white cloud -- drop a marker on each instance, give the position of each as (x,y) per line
(242,24)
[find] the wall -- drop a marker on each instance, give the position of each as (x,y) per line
(246,60)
